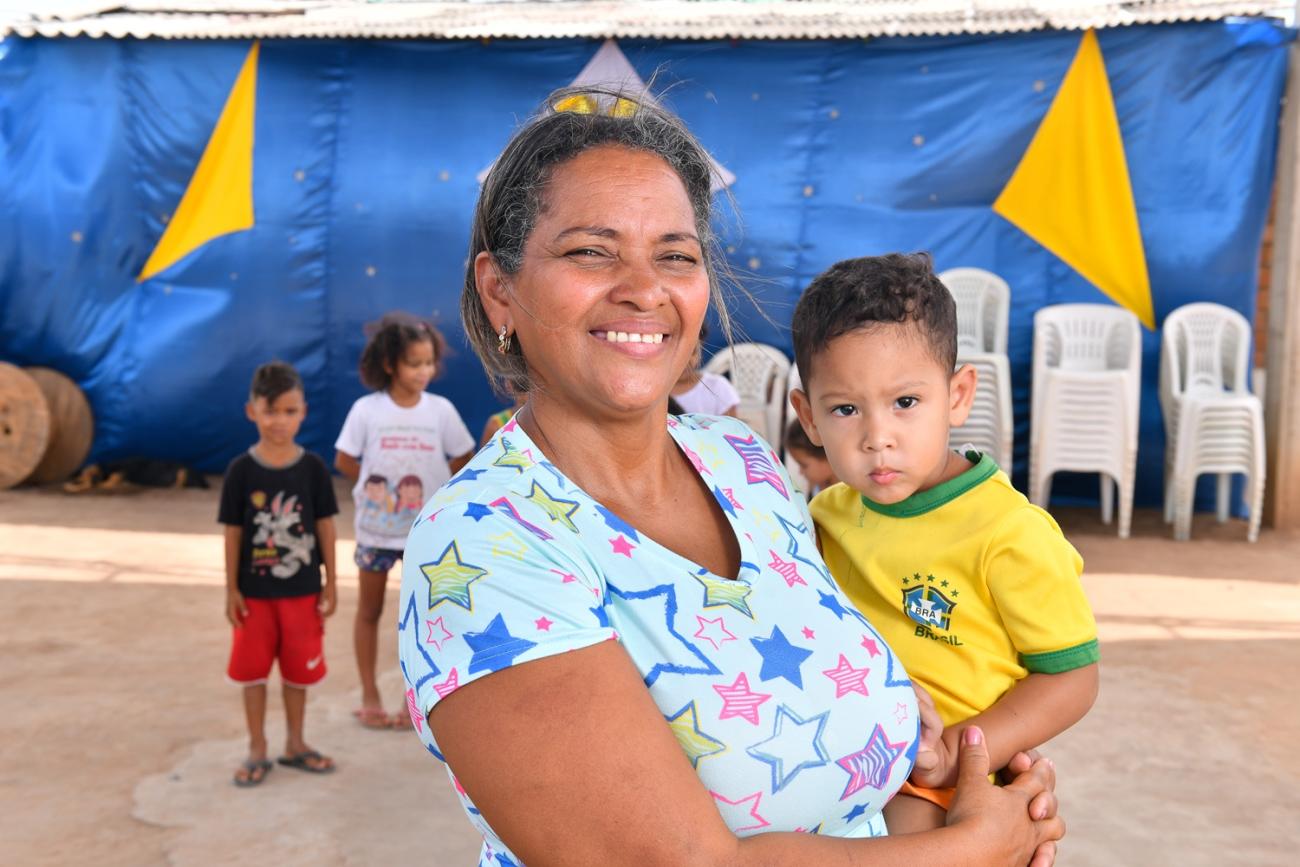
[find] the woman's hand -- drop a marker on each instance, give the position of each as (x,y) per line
(1018,821)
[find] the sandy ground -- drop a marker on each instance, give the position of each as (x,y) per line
(119,734)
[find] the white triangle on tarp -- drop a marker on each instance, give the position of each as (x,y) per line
(610,68)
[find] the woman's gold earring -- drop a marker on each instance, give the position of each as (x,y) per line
(503,340)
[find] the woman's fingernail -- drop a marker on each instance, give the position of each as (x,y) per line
(972,735)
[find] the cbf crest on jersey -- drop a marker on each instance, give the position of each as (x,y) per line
(928,606)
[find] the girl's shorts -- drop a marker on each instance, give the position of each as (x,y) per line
(289,629)
(376,559)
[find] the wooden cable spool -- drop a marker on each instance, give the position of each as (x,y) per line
(72,427)
(24,425)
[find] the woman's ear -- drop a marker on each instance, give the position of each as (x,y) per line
(493,291)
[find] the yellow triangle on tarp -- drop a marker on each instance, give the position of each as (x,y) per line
(1071,191)
(219,198)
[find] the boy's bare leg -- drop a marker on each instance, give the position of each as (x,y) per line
(295,711)
(255,714)
(365,636)
(905,814)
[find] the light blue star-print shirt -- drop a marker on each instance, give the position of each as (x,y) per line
(792,709)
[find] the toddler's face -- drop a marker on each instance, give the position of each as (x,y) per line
(411,495)
(882,405)
(376,491)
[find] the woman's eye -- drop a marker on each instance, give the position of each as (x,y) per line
(906,402)
(681,257)
(584,253)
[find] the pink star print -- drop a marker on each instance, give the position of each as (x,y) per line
(436,626)
(510,425)
(786,569)
(739,700)
(740,815)
(870,645)
(731,498)
(871,765)
(622,546)
(565,577)
(808,633)
(900,712)
(448,686)
(413,708)
(847,678)
(696,461)
(543,623)
(713,638)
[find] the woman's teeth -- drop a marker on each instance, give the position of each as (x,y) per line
(632,337)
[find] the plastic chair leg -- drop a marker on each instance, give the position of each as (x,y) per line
(1223,497)
(1107,499)
(1125,506)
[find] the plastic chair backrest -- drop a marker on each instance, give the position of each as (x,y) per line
(1087,337)
(983,308)
(758,372)
(1208,348)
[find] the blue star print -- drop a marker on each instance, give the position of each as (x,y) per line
(780,657)
(495,648)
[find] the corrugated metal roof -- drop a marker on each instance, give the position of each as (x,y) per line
(667,19)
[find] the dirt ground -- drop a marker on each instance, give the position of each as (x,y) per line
(119,733)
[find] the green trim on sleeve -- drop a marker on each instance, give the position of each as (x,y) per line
(1057,661)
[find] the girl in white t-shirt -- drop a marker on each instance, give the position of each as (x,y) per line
(398,445)
(704,393)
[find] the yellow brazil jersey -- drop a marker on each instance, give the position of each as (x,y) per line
(972,586)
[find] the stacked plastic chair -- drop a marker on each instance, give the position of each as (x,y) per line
(983,302)
(989,427)
(983,309)
(1213,423)
(759,374)
(1084,411)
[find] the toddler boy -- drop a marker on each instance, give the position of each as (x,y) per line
(974,588)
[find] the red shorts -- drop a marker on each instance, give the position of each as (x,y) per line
(290,630)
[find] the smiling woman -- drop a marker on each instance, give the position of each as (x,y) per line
(616,629)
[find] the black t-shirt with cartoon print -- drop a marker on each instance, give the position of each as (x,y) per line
(278,508)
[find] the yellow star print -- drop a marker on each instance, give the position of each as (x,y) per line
(449,578)
(557,510)
(512,457)
(696,744)
(720,592)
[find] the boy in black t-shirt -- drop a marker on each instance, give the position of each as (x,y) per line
(278,504)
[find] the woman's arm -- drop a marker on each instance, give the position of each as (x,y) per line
(571,762)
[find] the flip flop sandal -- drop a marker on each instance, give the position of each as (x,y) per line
(372,717)
(400,721)
(253,779)
(302,762)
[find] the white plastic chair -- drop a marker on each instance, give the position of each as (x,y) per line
(759,374)
(989,426)
(983,309)
(1084,410)
(1213,423)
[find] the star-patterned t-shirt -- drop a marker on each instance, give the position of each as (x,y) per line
(792,709)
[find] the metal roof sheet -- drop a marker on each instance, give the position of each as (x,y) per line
(665,19)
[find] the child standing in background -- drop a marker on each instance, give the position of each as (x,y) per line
(278,504)
(397,445)
(810,457)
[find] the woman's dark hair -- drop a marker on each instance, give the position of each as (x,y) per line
(571,121)
(388,341)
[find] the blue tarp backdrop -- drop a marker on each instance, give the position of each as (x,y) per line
(364,180)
